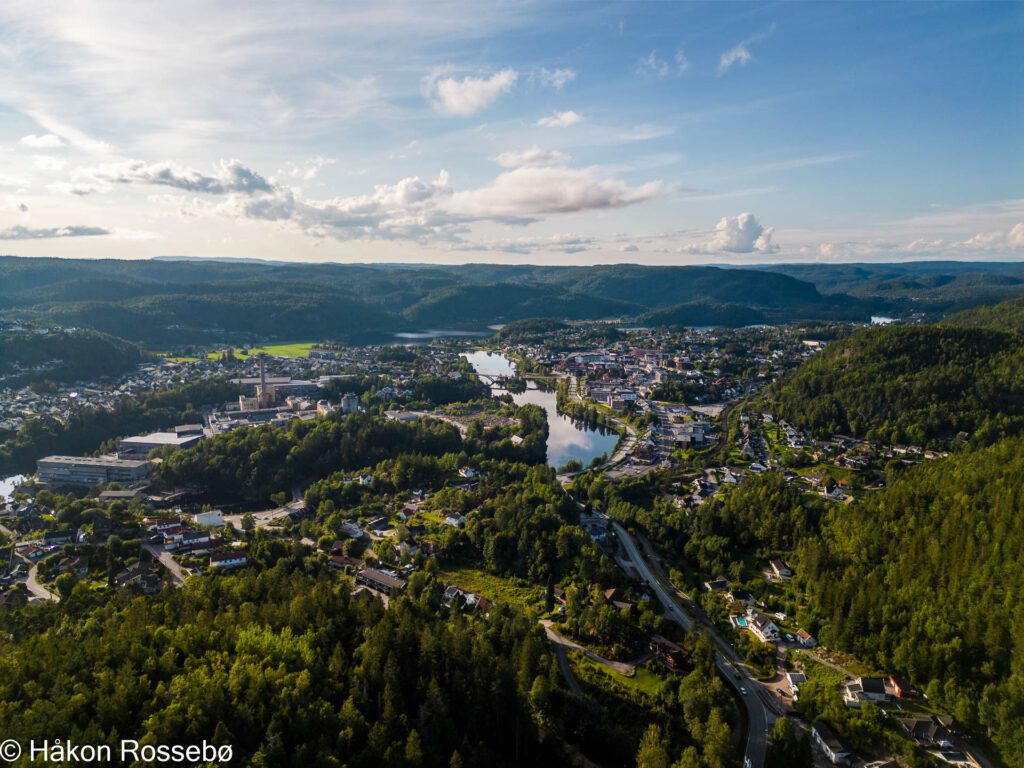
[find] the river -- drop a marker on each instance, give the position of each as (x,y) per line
(566,439)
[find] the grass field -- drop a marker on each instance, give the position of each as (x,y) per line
(298,349)
(497,589)
(642,680)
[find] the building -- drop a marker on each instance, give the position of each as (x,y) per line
(861,689)
(86,470)
(668,653)
(830,744)
(765,629)
(379,581)
(189,430)
(805,638)
(235,559)
(349,403)
(213,518)
(140,445)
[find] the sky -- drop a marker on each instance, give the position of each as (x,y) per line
(513,132)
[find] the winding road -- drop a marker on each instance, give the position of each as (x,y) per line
(37,589)
(760,715)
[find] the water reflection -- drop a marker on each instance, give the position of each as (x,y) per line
(566,439)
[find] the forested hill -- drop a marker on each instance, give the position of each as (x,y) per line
(289,669)
(161,302)
(910,384)
(63,356)
(1005,316)
(926,578)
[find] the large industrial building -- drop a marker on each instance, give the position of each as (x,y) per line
(140,445)
(89,471)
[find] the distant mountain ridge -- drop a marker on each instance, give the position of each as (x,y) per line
(172,300)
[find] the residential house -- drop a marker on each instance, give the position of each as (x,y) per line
(780,569)
(740,596)
(763,627)
(861,689)
(805,638)
(380,581)
(668,653)
(830,744)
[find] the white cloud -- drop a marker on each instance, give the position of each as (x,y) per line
(565,243)
(42,141)
(470,95)
(532,156)
(682,63)
(740,53)
(560,120)
(629,249)
(996,241)
(737,234)
(529,192)
(48,163)
(556,78)
(45,233)
(230,176)
(431,211)
(653,64)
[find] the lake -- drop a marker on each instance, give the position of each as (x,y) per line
(566,439)
(7,486)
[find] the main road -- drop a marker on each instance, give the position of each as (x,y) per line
(760,715)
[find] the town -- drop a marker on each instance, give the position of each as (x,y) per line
(678,406)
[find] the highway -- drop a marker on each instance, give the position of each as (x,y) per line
(760,715)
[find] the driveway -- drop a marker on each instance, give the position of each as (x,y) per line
(37,589)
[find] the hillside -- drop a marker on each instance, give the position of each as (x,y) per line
(1005,316)
(160,302)
(925,578)
(62,357)
(916,384)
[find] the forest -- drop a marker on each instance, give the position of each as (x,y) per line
(63,356)
(925,579)
(923,385)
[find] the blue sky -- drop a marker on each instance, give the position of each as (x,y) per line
(513,132)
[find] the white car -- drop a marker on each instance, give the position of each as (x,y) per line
(743,691)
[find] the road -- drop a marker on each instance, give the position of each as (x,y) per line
(622,667)
(38,589)
(178,574)
(760,715)
(266,517)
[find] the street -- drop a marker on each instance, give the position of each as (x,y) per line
(759,715)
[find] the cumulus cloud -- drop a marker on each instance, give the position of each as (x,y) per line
(231,176)
(45,233)
(470,95)
(740,53)
(532,156)
(737,234)
(996,241)
(42,141)
(529,192)
(556,78)
(560,120)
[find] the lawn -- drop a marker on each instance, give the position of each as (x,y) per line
(497,589)
(642,681)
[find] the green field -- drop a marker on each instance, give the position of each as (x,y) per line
(297,349)
(497,589)
(642,681)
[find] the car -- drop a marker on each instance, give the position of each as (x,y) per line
(790,638)
(743,691)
